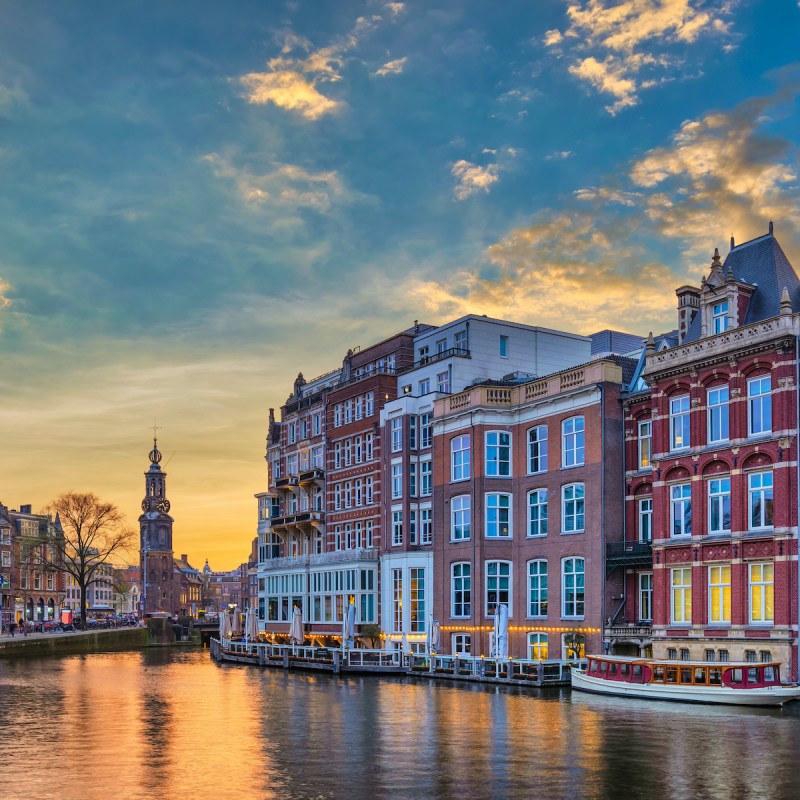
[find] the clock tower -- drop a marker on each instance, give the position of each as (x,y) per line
(155,544)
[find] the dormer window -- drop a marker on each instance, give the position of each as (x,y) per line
(719,317)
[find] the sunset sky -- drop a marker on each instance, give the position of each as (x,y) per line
(200,199)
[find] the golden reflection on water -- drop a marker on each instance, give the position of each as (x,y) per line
(171,724)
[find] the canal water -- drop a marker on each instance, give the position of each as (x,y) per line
(171,724)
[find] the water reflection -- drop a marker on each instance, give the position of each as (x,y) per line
(169,724)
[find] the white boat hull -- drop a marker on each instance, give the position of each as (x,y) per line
(762,696)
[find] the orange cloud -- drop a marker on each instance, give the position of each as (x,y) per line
(615,37)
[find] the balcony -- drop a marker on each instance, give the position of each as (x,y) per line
(320,559)
(310,476)
(286,482)
(453,352)
(299,518)
(628,554)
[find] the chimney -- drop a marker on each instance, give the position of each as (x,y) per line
(25,509)
(688,306)
(185,557)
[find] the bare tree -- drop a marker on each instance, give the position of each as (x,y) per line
(90,534)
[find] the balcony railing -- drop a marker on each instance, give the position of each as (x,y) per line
(453,352)
(300,518)
(628,554)
(321,559)
(632,631)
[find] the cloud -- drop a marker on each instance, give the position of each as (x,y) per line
(294,79)
(395,9)
(622,48)
(588,263)
(290,90)
(559,155)
(287,185)
(392,67)
(11,97)
(5,301)
(471,178)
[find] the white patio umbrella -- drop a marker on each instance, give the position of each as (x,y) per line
(433,636)
(224,625)
(349,627)
(296,633)
(236,622)
(501,631)
(251,625)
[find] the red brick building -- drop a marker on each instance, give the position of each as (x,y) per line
(712,471)
(527,492)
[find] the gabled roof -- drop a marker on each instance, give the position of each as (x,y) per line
(763,263)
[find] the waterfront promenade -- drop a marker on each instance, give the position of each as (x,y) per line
(51,643)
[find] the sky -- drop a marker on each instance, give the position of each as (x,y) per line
(198,200)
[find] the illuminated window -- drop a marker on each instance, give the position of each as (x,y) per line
(719,594)
(645,444)
(679,422)
(537,646)
(646,596)
(762,592)
(681,595)
(417,599)
(498,516)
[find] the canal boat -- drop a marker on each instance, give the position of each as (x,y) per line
(731,683)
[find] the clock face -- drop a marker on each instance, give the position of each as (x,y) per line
(144,505)
(163,505)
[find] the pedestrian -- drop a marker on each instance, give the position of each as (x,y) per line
(13,627)
(25,628)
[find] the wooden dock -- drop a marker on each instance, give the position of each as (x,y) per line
(508,671)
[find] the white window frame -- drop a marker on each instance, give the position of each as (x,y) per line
(537,513)
(760,500)
(644,443)
(578,605)
(719,317)
(397,527)
(460,457)
(718,414)
(497,454)
(765,588)
(576,513)
(680,596)
(503,596)
(680,500)
(644,529)
(719,502)
(537,449)
(425,525)
(679,422)
(396,425)
(498,512)
(457,587)
(645,596)
(426,477)
(537,588)
(460,518)
(757,397)
(397,480)
(573,442)
(719,592)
